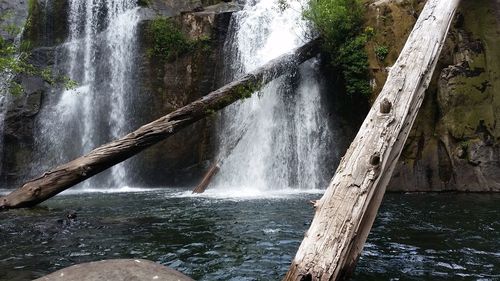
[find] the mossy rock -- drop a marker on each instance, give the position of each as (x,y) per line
(47,23)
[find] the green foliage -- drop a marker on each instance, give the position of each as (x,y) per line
(33,10)
(15,88)
(10,61)
(15,60)
(381,51)
(352,60)
(168,41)
(369,32)
(245,91)
(336,20)
(340,23)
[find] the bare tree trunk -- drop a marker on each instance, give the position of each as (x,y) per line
(215,167)
(346,212)
(100,159)
(212,171)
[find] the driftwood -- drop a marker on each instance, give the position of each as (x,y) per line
(345,214)
(100,159)
(215,167)
(212,171)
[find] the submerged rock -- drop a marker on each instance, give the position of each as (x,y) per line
(120,269)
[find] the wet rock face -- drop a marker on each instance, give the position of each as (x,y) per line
(18,130)
(175,7)
(14,13)
(46,24)
(164,87)
(170,85)
(454,144)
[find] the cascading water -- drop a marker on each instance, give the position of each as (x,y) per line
(99,56)
(283,134)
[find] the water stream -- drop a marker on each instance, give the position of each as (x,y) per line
(99,56)
(415,237)
(250,223)
(281,137)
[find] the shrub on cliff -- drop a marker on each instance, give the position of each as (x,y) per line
(340,25)
(168,41)
(15,58)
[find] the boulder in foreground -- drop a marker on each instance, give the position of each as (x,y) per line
(114,270)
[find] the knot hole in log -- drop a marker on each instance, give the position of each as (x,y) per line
(35,191)
(375,159)
(307,277)
(385,106)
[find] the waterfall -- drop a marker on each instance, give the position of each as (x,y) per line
(283,134)
(99,57)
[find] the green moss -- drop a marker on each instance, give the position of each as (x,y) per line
(462,121)
(340,24)
(245,91)
(210,112)
(381,51)
(33,14)
(168,42)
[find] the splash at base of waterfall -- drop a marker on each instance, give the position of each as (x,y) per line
(99,56)
(282,134)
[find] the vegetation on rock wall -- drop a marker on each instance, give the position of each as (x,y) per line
(388,24)
(15,59)
(340,24)
(168,41)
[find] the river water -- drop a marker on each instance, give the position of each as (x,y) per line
(415,237)
(249,224)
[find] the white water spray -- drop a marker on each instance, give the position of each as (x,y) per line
(99,56)
(286,138)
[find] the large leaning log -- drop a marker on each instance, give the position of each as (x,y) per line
(345,213)
(65,176)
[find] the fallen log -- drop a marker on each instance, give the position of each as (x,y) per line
(67,175)
(215,167)
(212,171)
(345,213)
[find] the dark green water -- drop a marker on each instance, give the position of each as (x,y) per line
(415,237)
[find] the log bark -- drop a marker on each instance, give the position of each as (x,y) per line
(346,212)
(67,175)
(215,167)
(212,171)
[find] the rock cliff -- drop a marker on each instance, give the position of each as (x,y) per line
(163,85)
(454,144)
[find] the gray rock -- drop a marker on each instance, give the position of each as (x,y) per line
(14,13)
(120,269)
